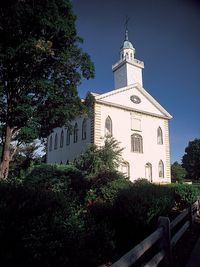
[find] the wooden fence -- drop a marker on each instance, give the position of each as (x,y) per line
(166,236)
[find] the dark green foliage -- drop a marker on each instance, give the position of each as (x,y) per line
(136,211)
(184,193)
(98,245)
(23,159)
(83,215)
(38,227)
(109,191)
(178,173)
(191,160)
(89,100)
(59,217)
(67,180)
(96,159)
(41,65)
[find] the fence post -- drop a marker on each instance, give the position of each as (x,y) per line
(165,242)
(198,206)
(190,213)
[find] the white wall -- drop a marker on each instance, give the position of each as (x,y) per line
(134,74)
(123,99)
(72,151)
(122,131)
(152,152)
(120,77)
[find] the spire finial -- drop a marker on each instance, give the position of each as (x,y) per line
(126,28)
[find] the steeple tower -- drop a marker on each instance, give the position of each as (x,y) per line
(127,70)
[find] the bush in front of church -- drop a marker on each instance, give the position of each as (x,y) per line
(39,227)
(65,179)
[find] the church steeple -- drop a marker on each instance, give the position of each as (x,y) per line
(127,70)
(127,50)
(126,35)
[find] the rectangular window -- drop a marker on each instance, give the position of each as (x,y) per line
(135,124)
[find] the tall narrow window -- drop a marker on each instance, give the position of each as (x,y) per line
(159,136)
(125,169)
(75,133)
(136,143)
(50,143)
(68,137)
(161,169)
(108,126)
(56,141)
(84,129)
(61,139)
(148,172)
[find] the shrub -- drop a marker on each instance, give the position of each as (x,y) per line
(136,211)
(110,191)
(178,173)
(97,159)
(38,228)
(184,194)
(142,181)
(65,179)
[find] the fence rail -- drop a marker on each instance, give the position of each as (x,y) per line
(162,236)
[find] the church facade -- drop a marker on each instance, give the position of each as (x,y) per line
(129,114)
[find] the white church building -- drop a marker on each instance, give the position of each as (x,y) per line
(129,114)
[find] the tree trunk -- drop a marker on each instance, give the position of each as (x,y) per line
(4,166)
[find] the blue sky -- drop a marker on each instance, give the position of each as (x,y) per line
(166,36)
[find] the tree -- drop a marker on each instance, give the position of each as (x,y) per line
(191,159)
(178,172)
(41,65)
(96,159)
(25,156)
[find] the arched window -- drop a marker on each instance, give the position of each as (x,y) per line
(75,133)
(68,137)
(159,136)
(61,139)
(148,172)
(84,129)
(108,126)
(125,169)
(136,143)
(161,169)
(50,143)
(56,141)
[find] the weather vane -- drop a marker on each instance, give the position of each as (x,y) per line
(126,28)
(126,22)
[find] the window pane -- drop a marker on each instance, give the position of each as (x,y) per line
(84,128)
(159,136)
(61,139)
(50,143)
(76,133)
(56,142)
(68,137)
(136,143)
(108,126)
(161,169)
